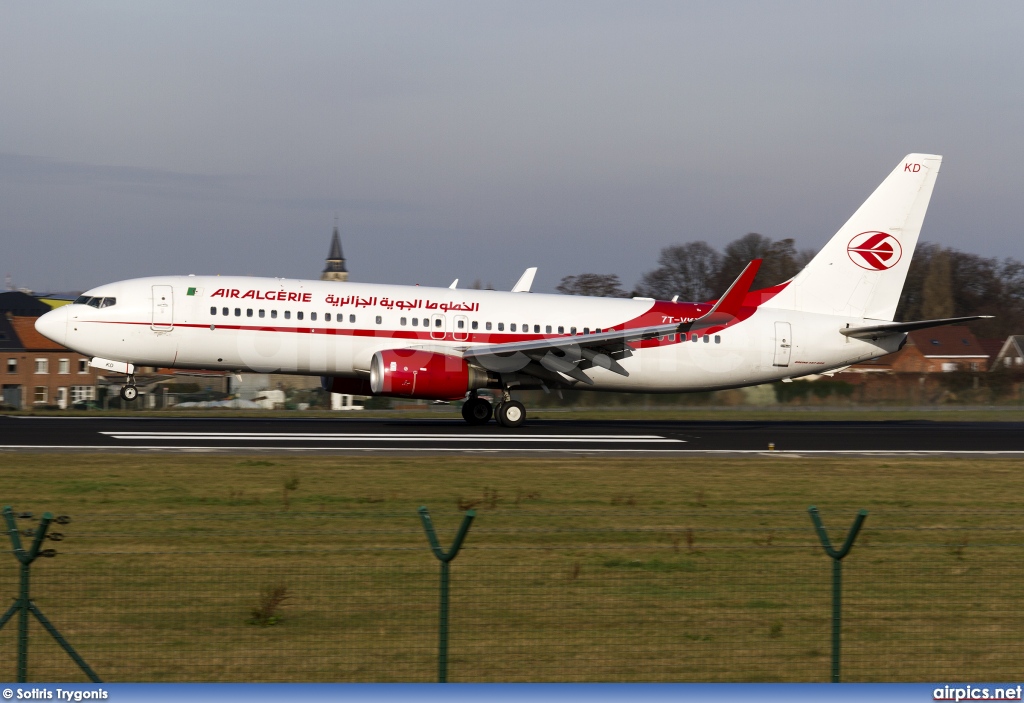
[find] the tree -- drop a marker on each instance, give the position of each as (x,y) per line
(780,261)
(937,290)
(686,270)
(600,285)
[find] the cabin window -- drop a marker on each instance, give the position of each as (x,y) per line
(536,329)
(501,326)
(476,325)
(273,314)
(263,313)
(512,327)
(706,339)
(224,311)
(586,330)
(213,311)
(299,315)
(718,339)
(352,319)
(561,330)
(415,322)
(238,312)
(287,314)
(547,329)
(402,321)
(487,326)
(461,324)
(437,322)
(378,319)
(572,330)
(693,338)
(312,316)
(327,317)
(248,312)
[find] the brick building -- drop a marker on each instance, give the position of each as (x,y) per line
(39,373)
(940,349)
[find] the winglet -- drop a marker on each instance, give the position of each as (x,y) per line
(525,281)
(728,306)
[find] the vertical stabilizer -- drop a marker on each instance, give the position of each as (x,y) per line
(861,271)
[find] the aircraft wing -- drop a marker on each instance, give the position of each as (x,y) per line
(887,328)
(555,358)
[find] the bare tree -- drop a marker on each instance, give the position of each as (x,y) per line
(601,285)
(686,270)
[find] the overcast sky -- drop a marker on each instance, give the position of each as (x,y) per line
(474,139)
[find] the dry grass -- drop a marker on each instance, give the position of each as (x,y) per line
(575,569)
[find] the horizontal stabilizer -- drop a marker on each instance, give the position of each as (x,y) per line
(876,331)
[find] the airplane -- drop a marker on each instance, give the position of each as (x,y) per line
(448,343)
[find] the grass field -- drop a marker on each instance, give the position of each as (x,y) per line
(693,569)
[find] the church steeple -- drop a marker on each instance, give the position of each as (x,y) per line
(335,269)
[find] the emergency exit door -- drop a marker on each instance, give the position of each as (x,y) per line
(163,308)
(783,343)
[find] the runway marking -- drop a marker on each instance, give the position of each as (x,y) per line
(405,437)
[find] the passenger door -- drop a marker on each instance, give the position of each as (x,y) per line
(163,308)
(783,343)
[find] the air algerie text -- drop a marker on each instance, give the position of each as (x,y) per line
(284,296)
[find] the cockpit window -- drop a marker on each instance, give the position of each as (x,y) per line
(81,300)
(108,302)
(94,302)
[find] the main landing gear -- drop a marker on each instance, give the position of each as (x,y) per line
(129,392)
(507,412)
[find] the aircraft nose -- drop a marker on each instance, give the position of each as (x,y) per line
(54,325)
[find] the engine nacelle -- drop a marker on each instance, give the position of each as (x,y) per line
(418,373)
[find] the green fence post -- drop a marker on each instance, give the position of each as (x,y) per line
(24,605)
(837,577)
(445,559)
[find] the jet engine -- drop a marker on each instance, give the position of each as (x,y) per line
(418,373)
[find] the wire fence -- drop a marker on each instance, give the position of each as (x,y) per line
(632,596)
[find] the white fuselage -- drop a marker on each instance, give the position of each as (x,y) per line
(327,328)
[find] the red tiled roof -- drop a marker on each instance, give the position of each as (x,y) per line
(25,328)
(947,341)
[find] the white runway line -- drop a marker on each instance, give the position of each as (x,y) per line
(378,437)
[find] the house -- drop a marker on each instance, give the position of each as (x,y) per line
(1010,354)
(37,372)
(940,349)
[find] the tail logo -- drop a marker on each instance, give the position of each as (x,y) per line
(875,251)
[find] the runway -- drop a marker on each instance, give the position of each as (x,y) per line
(401,436)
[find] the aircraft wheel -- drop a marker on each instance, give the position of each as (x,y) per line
(129,393)
(476,411)
(511,414)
